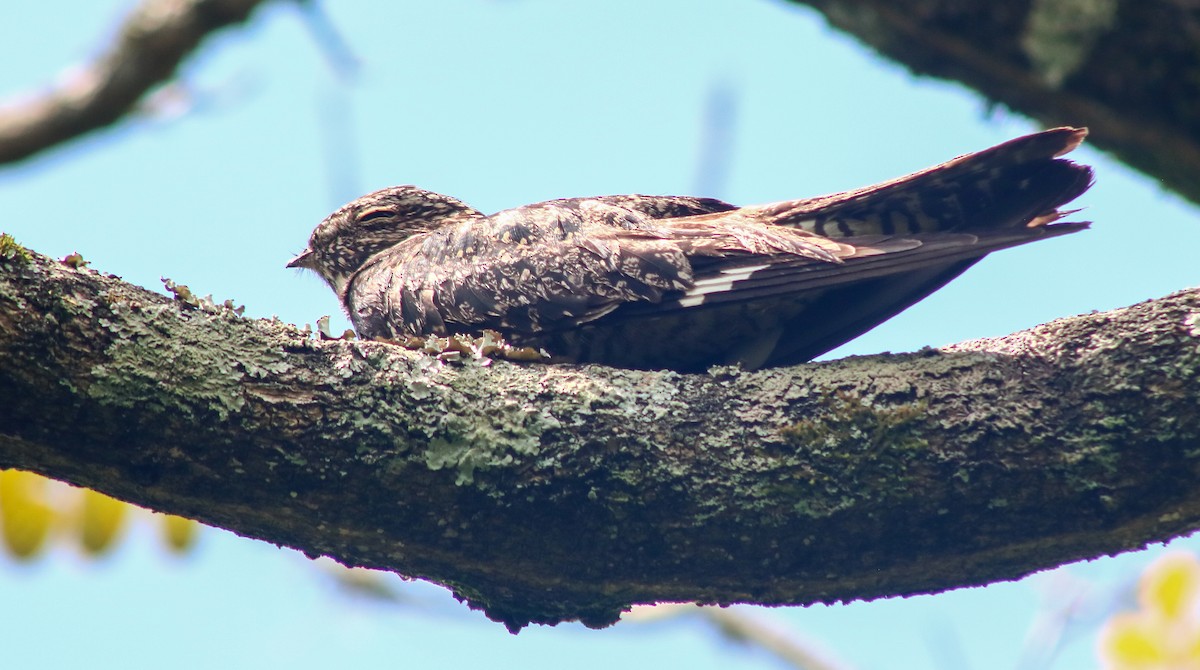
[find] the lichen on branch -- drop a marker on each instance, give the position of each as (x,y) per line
(544,493)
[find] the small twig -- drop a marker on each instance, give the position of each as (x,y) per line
(741,626)
(737,625)
(333,44)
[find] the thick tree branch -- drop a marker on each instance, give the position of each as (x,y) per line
(1127,69)
(547,493)
(153,41)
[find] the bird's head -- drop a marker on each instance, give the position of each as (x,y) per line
(349,237)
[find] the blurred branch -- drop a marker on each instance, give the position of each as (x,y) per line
(154,39)
(718,128)
(754,631)
(1130,70)
(745,628)
(338,54)
(546,493)
(1127,69)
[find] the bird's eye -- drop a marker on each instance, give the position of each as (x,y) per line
(374,215)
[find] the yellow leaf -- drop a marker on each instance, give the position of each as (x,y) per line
(180,533)
(1164,634)
(1169,586)
(100,521)
(1131,641)
(25,518)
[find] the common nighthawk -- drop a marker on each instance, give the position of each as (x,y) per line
(685,283)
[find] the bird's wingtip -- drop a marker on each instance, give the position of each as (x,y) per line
(1075,137)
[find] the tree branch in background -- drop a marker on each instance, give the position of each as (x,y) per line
(548,493)
(738,625)
(1130,70)
(152,42)
(1127,69)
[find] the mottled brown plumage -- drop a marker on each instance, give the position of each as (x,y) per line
(685,283)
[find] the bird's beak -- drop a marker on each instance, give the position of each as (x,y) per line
(304,260)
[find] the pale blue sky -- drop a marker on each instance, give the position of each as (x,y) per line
(501,103)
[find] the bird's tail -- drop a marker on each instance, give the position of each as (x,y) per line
(1020,183)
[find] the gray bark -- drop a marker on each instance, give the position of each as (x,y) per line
(1129,70)
(544,493)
